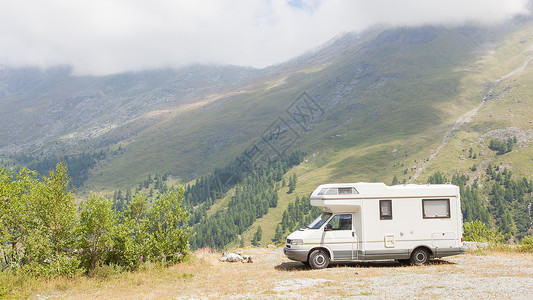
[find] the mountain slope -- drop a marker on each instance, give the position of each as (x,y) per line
(383,102)
(385,86)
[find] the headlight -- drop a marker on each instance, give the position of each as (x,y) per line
(297,242)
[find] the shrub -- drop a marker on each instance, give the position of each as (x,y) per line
(41,234)
(478,231)
(527,244)
(130,238)
(167,228)
(97,221)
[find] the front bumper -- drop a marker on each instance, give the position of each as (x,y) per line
(297,255)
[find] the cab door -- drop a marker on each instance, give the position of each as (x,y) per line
(339,236)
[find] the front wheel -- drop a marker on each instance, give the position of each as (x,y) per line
(420,257)
(319,259)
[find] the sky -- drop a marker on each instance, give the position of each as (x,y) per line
(101,37)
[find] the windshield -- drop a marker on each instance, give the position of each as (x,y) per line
(318,222)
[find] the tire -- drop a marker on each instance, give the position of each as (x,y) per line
(419,257)
(319,259)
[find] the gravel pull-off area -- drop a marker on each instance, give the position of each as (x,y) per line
(496,275)
(273,276)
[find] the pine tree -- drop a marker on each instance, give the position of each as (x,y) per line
(292,183)
(128,195)
(258,236)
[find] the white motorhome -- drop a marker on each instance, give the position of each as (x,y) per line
(373,221)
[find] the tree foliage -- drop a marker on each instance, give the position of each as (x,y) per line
(256,190)
(258,236)
(298,214)
(478,231)
(43,233)
(97,222)
(167,229)
(78,165)
(503,202)
(502,147)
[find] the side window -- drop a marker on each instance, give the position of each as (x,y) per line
(341,222)
(436,208)
(347,191)
(322,191)
(385,209)
(332,191)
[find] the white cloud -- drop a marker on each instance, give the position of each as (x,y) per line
(110,36)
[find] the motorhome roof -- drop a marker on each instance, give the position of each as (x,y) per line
(380,189)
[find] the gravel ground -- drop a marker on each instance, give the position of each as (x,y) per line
(273,276)
(496,275)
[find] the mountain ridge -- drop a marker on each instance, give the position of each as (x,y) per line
(368,84)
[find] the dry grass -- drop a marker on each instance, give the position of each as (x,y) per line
(497,274)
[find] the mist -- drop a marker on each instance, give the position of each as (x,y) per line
(101,37)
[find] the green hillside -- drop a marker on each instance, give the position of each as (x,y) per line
(404,102)
(447,125)
(381,90)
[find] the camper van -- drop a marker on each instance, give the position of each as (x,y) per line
(373,221)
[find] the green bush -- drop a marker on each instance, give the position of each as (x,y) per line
(527,244)
(97,222)
(167,228)
(41,234)
(130,237)
(478,231)
(38,223)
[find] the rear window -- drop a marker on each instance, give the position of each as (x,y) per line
(436,208)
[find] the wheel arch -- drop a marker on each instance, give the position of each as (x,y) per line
(428,249)
(326,249)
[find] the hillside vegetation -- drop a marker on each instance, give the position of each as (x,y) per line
(389,104)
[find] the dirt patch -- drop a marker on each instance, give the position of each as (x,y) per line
(272,275)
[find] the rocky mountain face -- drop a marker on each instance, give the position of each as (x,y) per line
(39,108)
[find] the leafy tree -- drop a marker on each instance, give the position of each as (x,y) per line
(97,222)
(13,217)
(130,237)
(51,233)
(478,231)
(167,228)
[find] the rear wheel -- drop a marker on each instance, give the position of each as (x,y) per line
(319,259)
(420,257)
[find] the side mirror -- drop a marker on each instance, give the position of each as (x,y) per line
(328,227)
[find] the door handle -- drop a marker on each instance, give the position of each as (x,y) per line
(353,234)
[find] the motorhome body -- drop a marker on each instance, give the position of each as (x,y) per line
(373,221)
